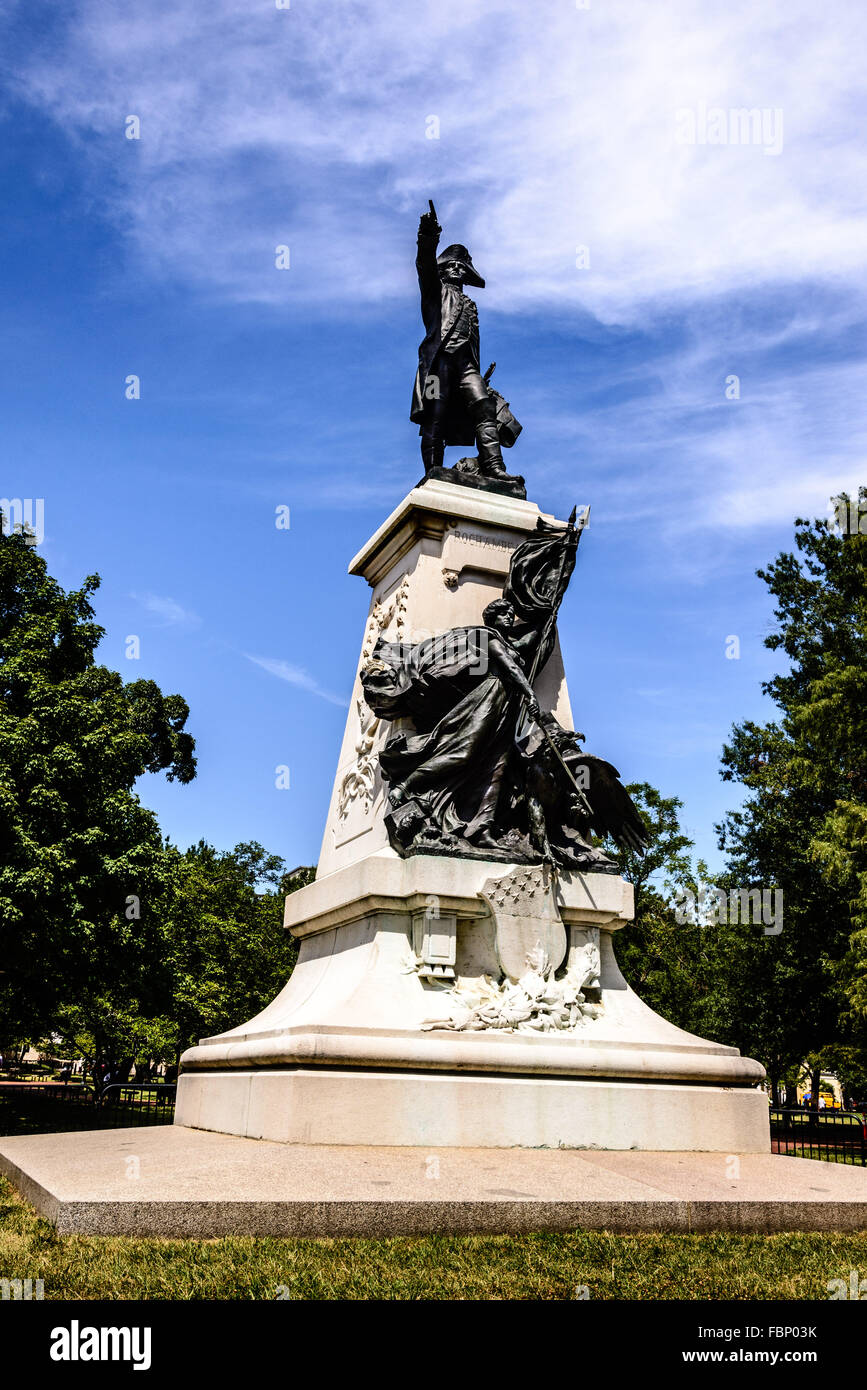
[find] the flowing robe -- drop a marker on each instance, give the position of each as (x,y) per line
(464,692)
(455,768)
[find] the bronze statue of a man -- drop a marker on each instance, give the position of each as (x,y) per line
(451,403)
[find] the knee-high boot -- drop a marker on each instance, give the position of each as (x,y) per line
(432,451)
(484,416)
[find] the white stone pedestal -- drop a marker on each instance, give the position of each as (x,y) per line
(343,1056)
(359,1047)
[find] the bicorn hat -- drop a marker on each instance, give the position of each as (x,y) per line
(457,252)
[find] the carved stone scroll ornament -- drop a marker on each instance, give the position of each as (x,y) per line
(382,615)
(358,784)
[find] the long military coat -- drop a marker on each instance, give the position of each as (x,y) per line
(440,309)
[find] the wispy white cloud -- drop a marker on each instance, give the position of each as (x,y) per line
(168,610)
(557,128)
(297,676)
(682,455)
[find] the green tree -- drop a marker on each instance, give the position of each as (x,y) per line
(666,962)
(111,1035)
(83,872)
(803,826)
(222,955)
(227,952)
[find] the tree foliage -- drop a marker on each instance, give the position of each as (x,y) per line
(667,963)
(227,952)
(803,826)
(112,942)
(223,955)
(76,844)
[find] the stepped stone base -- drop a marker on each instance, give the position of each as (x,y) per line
(328,1105)
(190,1184)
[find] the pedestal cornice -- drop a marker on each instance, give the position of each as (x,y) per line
(427,511)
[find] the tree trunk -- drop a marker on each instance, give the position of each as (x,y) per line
(815,1083)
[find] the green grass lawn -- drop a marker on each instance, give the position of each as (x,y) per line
(432,1267)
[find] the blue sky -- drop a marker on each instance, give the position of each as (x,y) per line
(263,387)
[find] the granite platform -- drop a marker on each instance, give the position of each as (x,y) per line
(173,1181)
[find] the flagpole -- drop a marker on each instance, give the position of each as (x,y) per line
(559,591)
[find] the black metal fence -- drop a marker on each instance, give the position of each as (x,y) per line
(838,1135)
(57,1107)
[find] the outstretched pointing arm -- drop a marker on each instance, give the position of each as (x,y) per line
(429,231)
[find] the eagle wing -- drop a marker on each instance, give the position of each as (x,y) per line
(614,812)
